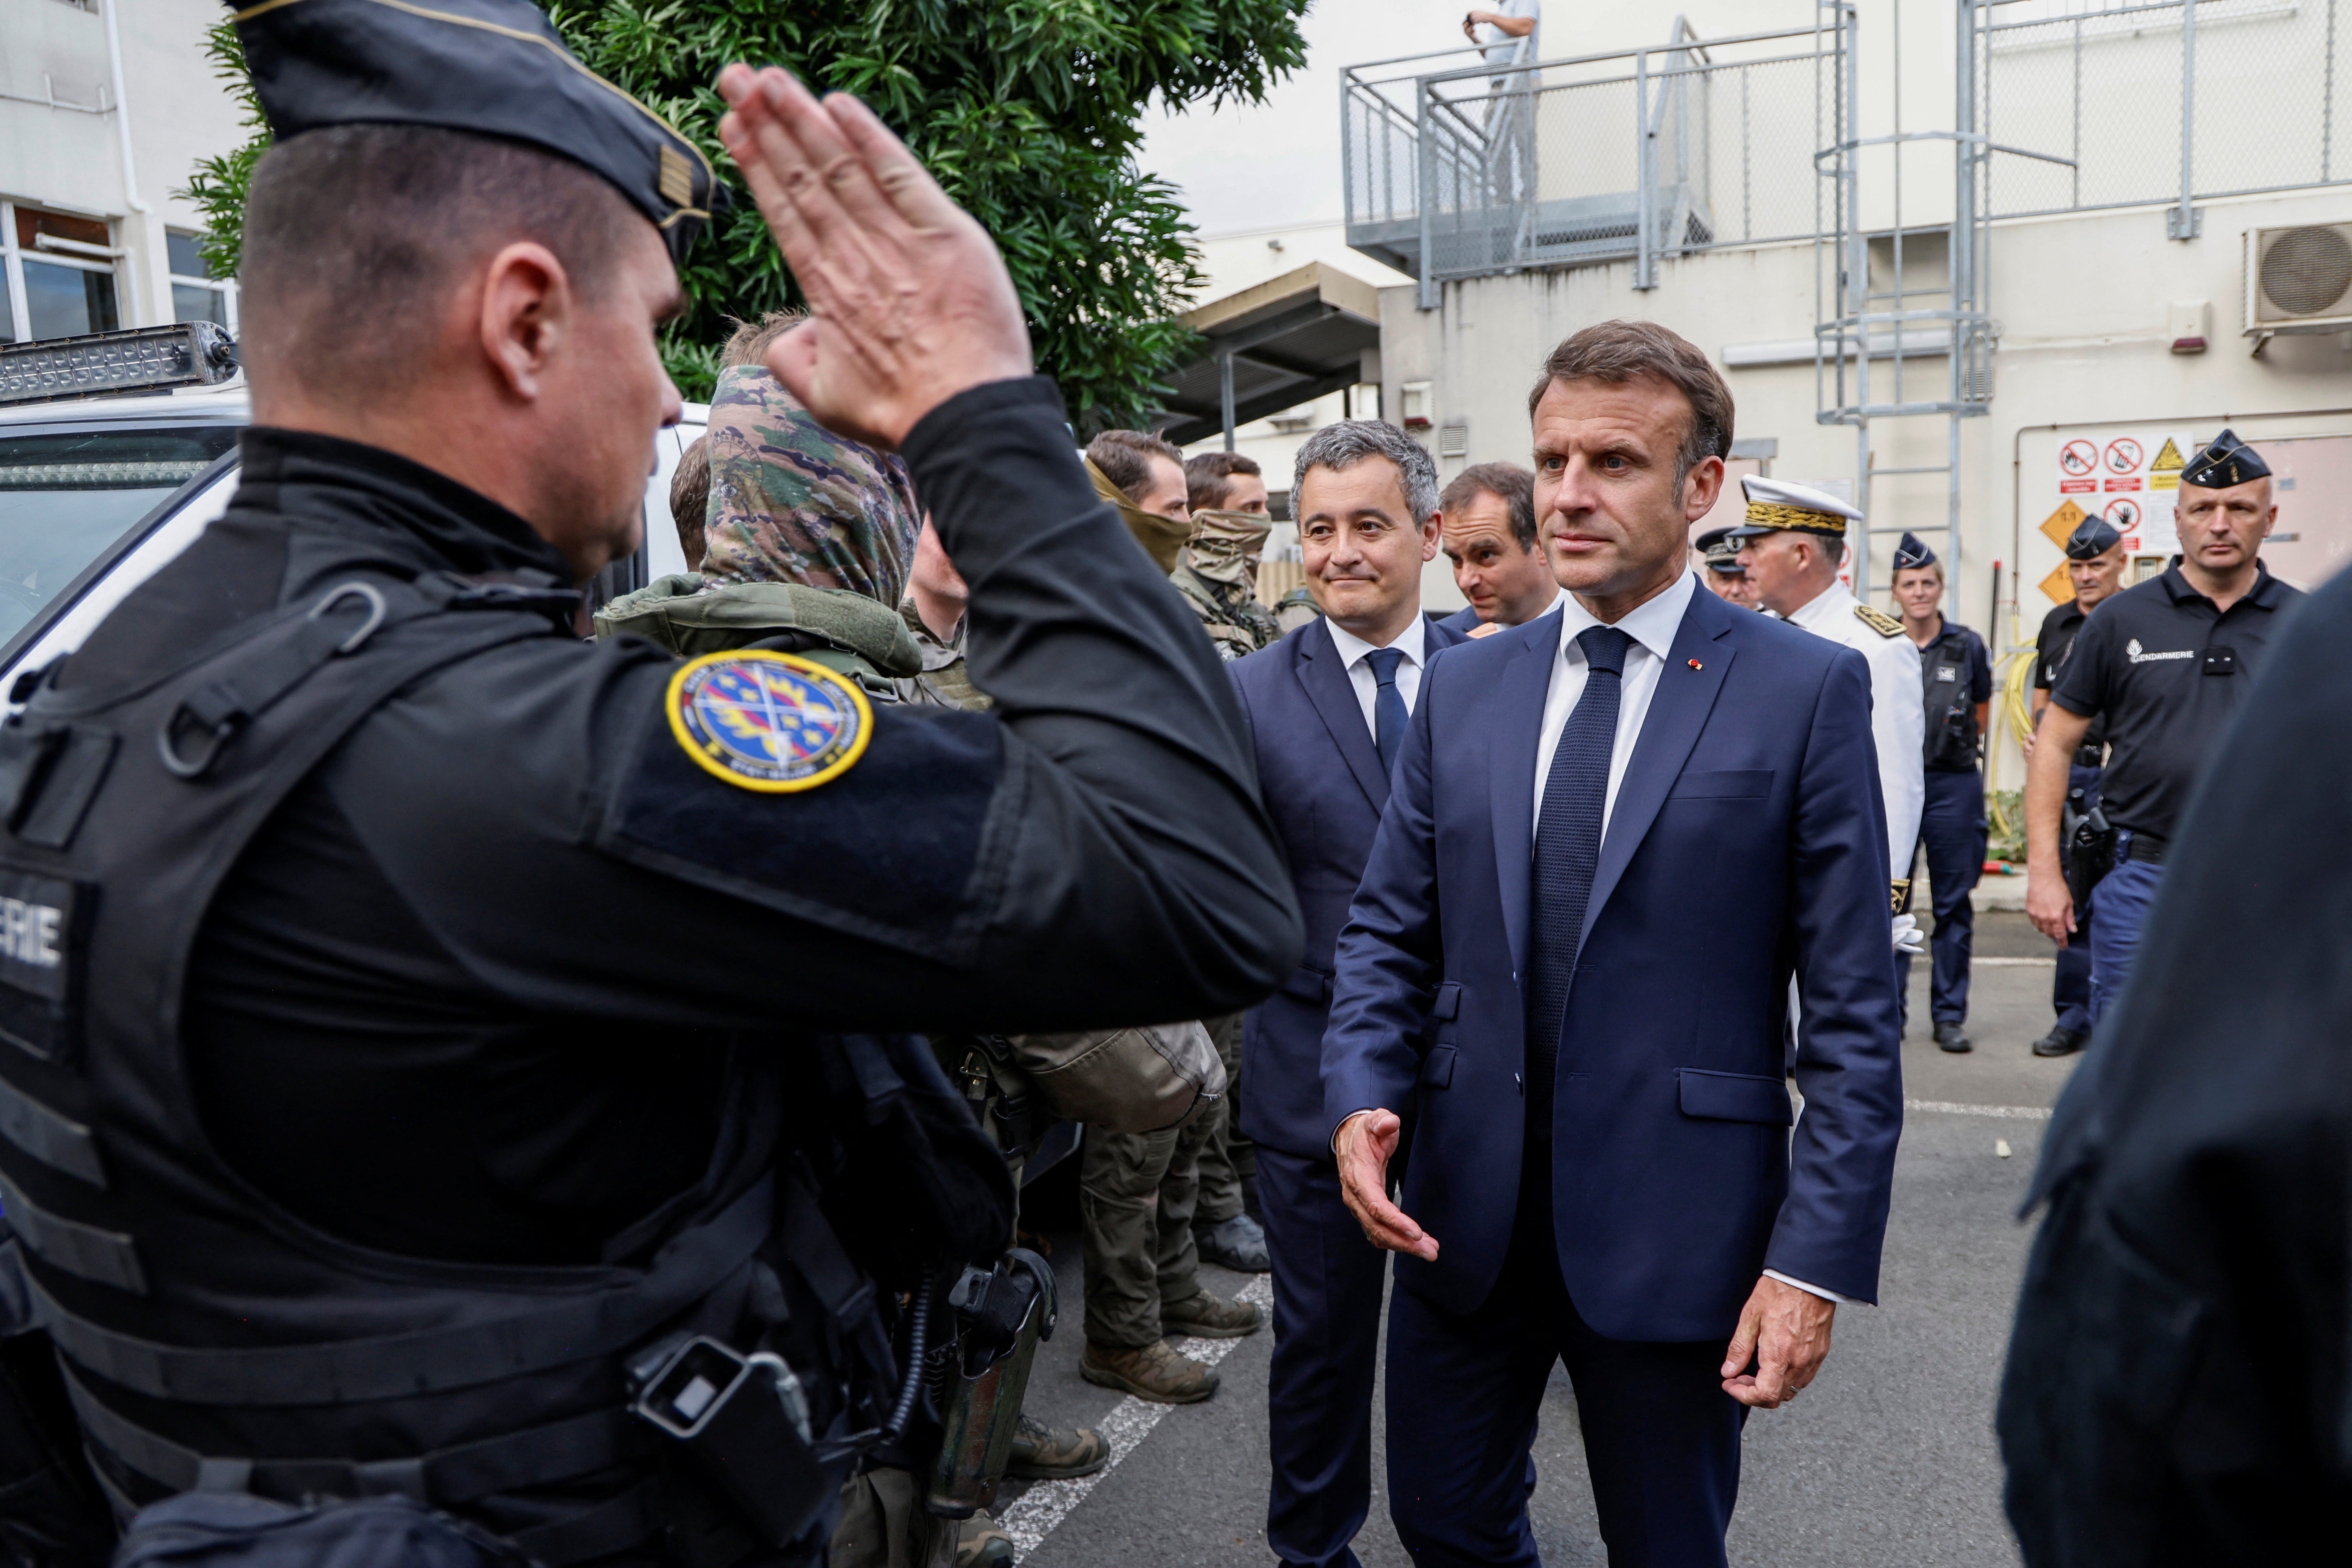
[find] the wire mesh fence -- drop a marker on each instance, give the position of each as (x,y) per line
(2109,87)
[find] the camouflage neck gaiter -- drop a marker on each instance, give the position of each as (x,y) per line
(1225,547)
(792,502)
(1162,538)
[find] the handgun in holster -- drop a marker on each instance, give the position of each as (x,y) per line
(2089,843)
(999,1315)
(744,1421)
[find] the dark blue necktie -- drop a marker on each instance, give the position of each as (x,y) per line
(1567,849)
(1389,717)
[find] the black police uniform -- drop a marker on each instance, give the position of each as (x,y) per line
(414,1021)
(2166,672)
(2070,986)
(1955,672)
(2178,1381)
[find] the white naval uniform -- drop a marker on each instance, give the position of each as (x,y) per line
(1898,719)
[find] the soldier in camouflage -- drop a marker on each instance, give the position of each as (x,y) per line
(1217,574)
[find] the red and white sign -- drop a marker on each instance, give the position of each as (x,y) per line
(2123,514)
(2125,455)
(2076,458)
(2130,484)
(2077,486)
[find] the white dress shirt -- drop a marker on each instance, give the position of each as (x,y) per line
(1653,627)
(1354,650)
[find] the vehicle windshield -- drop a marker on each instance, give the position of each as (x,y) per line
(66,494)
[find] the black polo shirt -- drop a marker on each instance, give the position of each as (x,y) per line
(2056,640)
(2166,672)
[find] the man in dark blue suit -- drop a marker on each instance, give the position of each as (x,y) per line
(1328,707)
(1488,529)
(1610,841)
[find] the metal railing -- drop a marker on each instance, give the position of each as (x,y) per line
(1457,167)
(2154,103)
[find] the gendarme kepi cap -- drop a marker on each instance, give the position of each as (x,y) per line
(495,68)
(2228,461)
(1776,506)
(1910,553)
(2093,538)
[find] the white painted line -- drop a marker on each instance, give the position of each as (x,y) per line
(1954,1107)
(1033,1515)
(2014,963)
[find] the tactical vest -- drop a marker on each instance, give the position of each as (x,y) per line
(1952,715)
(210,1341)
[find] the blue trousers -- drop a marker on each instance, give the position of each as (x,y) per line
(1326,1339)
(2123,899)
(1661,1438)
(1952,828)
(2070,989)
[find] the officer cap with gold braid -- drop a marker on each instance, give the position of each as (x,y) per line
(2228,461)
(494,67)
(1776,506)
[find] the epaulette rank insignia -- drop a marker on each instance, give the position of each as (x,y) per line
(768,721)
(1879,621)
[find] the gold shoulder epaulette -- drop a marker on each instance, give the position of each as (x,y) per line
(1879,621)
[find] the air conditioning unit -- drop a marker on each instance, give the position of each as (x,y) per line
(2299,279)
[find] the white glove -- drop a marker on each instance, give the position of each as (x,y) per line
(1909,939)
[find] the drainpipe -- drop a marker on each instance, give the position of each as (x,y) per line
(159,300)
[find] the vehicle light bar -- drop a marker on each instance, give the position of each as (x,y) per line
(139,359)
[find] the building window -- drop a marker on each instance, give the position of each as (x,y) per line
(59,274)
(197,295)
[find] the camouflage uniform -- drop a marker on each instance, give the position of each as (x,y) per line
(792,502)
(1295,610)
(845,631)
(944,682)
(1217,575)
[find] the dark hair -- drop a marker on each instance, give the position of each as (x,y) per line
(1506,482)
(1125,457)
(748,344)
(1624,351)
(389,219)
(690,500)
(1206,476)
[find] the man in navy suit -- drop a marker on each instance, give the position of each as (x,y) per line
(1488,529)
(1328,707)
(1611,841)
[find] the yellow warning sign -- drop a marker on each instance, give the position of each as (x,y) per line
(2058,584)
(2169,460)
(2164,482)
(2060,526)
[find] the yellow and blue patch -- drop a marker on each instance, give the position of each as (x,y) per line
(768,721)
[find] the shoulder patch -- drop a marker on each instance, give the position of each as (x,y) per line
(1879,621)
(768,721)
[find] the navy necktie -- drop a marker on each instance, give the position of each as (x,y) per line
(1389,717)
(1568,850)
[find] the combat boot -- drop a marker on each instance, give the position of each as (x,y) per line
(1238,1244)
(1153,1372)
(981,1542)
(1043,1453)
(1208,1315)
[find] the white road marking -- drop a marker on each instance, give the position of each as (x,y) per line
(1953,1107)
(1033,1515)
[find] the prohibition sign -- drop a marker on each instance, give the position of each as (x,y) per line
(2124,455)
(2125,515)
(2078,457)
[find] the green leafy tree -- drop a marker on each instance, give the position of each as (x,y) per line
(1029,111)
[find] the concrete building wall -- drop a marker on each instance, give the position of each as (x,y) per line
(59,145)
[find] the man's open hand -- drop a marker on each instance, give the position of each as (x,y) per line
(1364,1145)
(1786,1332)
(911,302)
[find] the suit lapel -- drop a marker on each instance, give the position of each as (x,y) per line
(1679,710)
(1326,681)
(1516,727)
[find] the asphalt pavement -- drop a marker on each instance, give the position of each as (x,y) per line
(1888,1460)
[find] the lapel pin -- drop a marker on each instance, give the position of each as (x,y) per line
(1696,664)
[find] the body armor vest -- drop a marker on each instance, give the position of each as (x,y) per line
(1951,716)
(209,1339)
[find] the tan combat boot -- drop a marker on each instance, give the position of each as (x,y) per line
(1209,1316)
(1043,1453)
(1153,1372)
(981,1542)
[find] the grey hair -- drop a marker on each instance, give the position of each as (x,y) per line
(1349,442)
